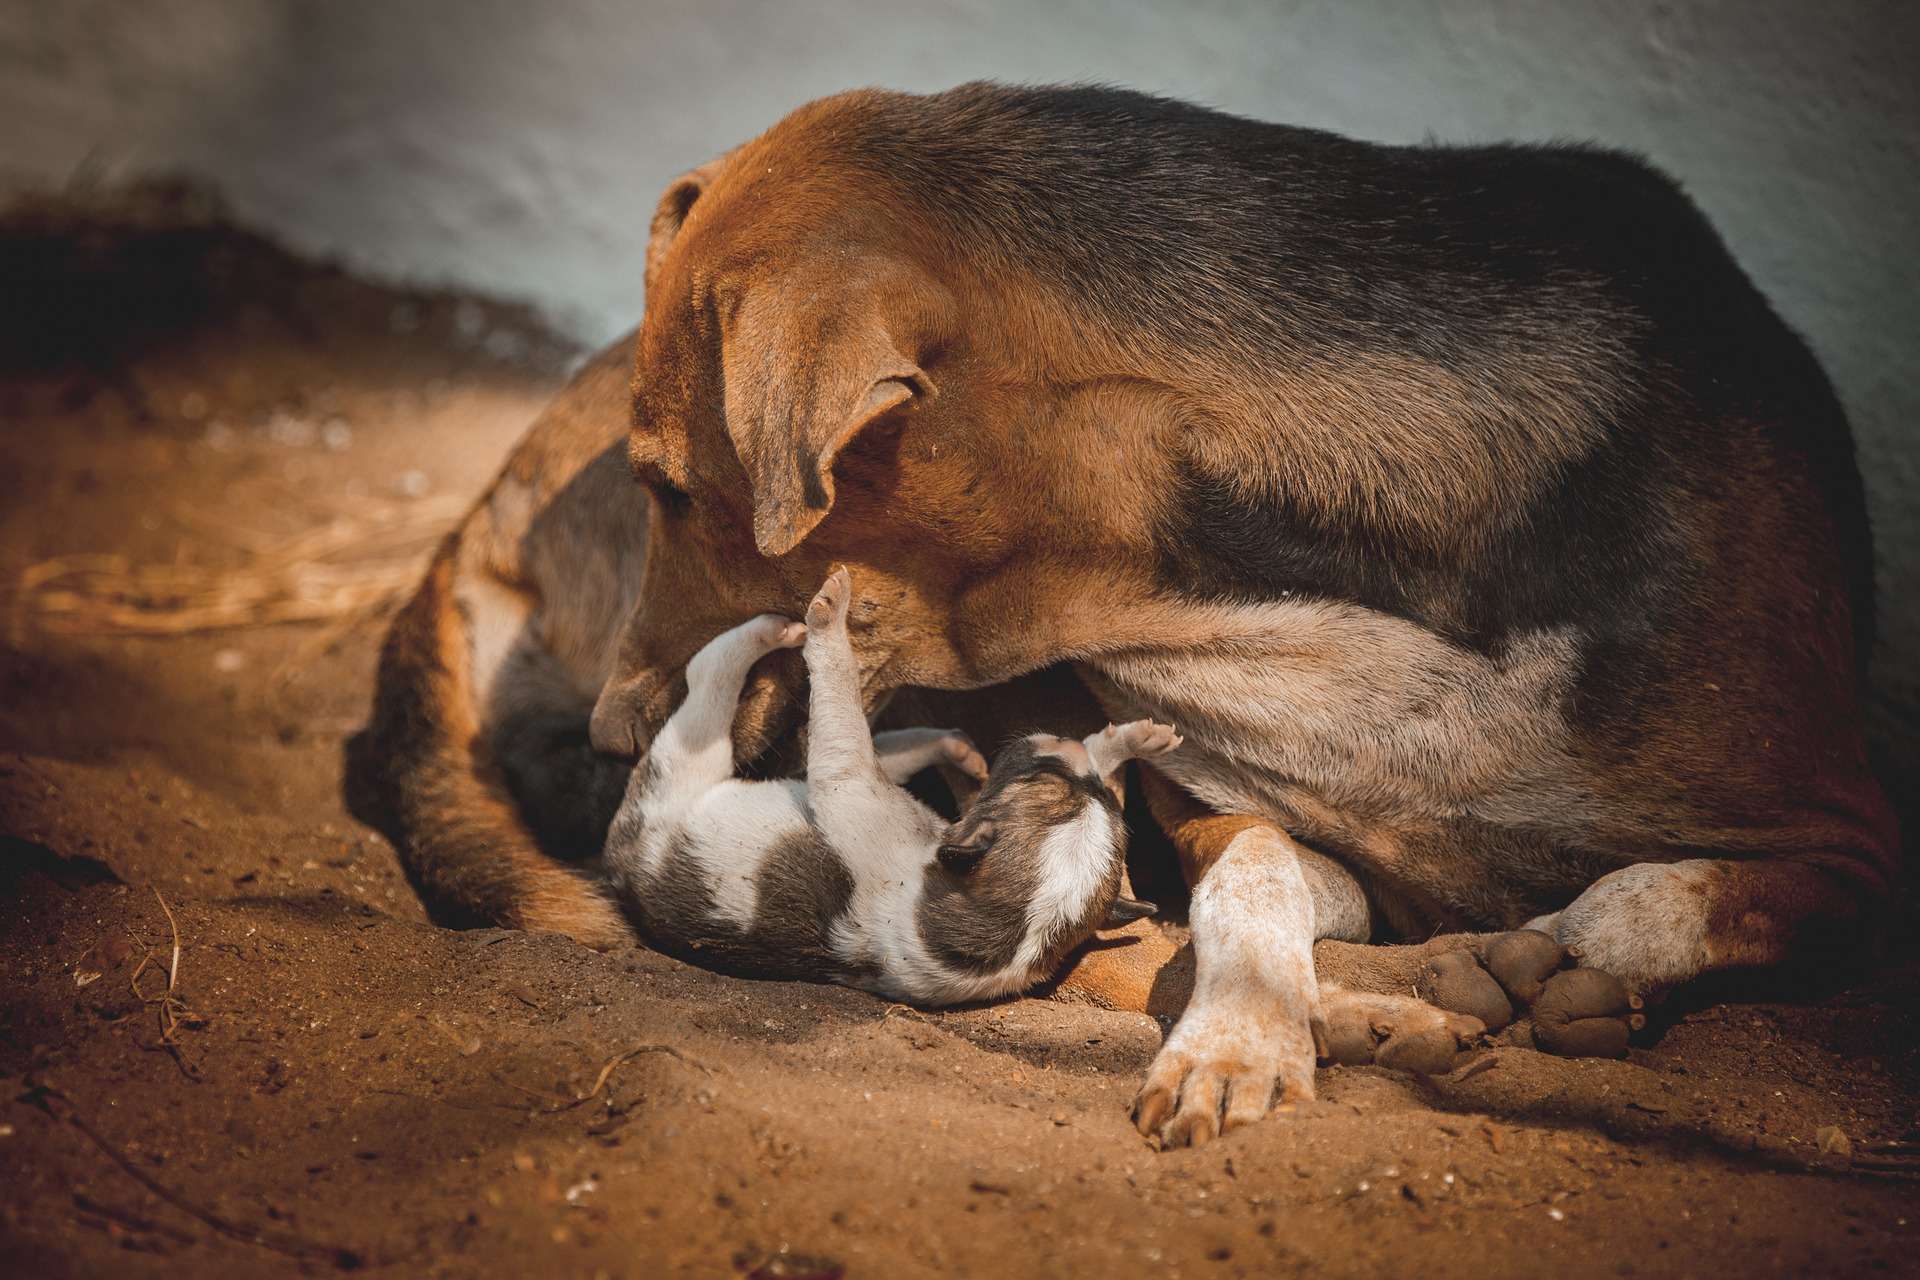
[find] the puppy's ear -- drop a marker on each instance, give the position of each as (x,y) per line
(810,364)
(676,202)
(961,855)
(1125,911)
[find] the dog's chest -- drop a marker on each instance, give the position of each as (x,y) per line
(1375,719)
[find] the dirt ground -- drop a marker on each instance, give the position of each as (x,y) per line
(336,1084)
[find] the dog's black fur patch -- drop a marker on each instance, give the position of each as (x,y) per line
(1585,267)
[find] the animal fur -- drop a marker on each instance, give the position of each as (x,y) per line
(1491,539)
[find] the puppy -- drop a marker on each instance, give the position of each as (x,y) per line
(845,875)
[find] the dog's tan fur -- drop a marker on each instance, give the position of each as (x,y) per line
(924,338)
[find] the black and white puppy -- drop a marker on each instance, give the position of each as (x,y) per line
(847,876)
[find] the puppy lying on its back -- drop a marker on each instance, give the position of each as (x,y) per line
(847,876)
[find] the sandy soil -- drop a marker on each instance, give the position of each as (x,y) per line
(350,1087)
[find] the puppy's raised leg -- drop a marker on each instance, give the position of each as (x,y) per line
(695,747)
(1116,744)
(856,805)
(839,740)
(905,752)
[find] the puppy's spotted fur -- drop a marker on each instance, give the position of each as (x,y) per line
(845,875)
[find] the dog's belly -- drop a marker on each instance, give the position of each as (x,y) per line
(1378,741)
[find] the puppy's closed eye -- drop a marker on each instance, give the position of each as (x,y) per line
(962,850)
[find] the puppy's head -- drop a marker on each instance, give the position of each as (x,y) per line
(1033,867)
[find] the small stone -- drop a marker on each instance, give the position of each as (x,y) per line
(1833,1141)
(1060,1118)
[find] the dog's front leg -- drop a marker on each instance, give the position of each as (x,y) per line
(1251,1026)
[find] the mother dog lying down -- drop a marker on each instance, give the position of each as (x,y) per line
(1498,551)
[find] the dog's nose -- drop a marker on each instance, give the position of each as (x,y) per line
(619,724)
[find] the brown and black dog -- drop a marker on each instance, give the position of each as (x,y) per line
(1498,551)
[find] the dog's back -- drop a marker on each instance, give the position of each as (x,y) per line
(1508,396)
(476,761)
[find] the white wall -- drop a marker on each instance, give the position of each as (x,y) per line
(518,147)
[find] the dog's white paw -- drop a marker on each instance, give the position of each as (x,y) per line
(1223,1067)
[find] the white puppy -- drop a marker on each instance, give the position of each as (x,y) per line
(846,876)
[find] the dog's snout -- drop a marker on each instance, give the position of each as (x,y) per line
(611,729)
(625,717)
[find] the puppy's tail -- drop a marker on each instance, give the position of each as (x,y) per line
(419,772)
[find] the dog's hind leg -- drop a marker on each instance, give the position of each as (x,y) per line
(1658,924)
(465,847)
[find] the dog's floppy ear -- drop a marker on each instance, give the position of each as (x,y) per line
(671,213)
(807,365)
(1125,911)
(960,854)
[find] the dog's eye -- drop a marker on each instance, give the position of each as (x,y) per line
(671,497)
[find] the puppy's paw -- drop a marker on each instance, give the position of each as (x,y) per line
(829,606)
(1143,739)
(959,751)
(773,631)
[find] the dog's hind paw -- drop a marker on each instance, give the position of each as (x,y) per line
(1577,1013)
(1396,1032)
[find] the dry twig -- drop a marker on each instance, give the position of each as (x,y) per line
(606,1073)
(173,1010)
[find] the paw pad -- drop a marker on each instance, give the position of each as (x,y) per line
(1456,982)
(1577,1013)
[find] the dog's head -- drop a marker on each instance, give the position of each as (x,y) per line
(821,378)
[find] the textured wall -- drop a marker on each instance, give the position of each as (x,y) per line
(518,147)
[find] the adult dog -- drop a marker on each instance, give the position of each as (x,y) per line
(1498,551)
